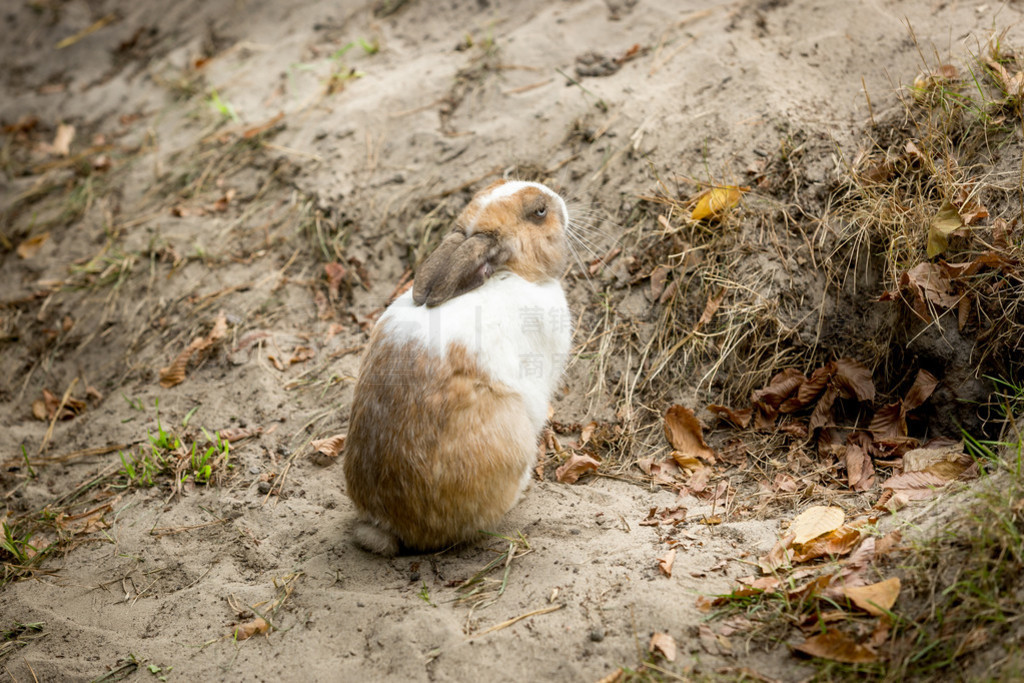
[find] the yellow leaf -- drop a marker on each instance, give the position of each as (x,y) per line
(717,201)
(28,248)
(943,223)
(816,521)
(876,599)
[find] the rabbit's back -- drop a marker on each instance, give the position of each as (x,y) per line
(519,332)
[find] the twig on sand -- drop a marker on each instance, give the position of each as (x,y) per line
(513,620)
(56,416)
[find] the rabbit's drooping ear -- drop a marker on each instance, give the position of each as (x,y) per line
(458,265)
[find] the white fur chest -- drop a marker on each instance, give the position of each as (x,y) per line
(519,331)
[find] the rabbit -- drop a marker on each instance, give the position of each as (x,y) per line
(454,388)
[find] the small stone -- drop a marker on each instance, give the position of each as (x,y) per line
(254,470)
(597,635)
(263,487)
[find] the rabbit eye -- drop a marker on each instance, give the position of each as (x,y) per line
(541,212)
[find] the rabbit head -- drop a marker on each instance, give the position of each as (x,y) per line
(510,225)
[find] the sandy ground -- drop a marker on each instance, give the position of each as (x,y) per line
(192,220)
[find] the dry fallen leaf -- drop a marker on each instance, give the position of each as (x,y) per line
(684,432)
(877,598)
(252,628)
(833,544)
(943,224)
(916,485)
(740,418)
(854,380)
(663,644)
(335,275)
(837,647)
(233,434)
(888,422)
(326,451)
(62,140)
(46,408)
(666,561)
(924,385)
(575,466)
(779,556)
(859,469)
(716,202)
(931,284)
(174,373)
(816,521)
(28,248)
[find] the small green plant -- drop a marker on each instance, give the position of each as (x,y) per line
(134,403)
(159,671)
(28,464)
(370,47)
(202,462)
(167,455)
(424,594)
(225,109)
(15,544)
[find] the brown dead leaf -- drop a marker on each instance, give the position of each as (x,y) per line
(663,644)
(768,584)
(860,471)
(837,647)
(810,390)
(833,544)
(888,422)
(659,278)
(877,598)
(822,415)
(174,373)
(248,630)
(575,466)
(779,556)
(854,380)
(716,202)
(816,521)
(234,434)
(887,543)
(587,432)
(300,354)
(930,284)
(222,204)
(924,385)
(50,404)
(780,387)
(947,462)
(335,276)
(326,451)
(684,432)
(28,247)
(710,308)
(740,418)
(916,485)
(666,561)
(1011,85)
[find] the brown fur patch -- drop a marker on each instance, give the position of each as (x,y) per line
(436,451)
(537,248)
